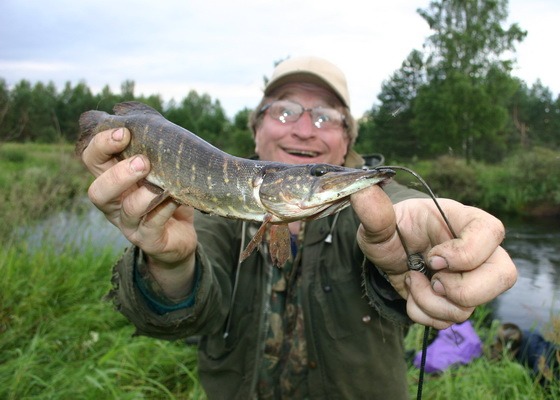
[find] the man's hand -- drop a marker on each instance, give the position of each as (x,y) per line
(166,234)
(468,271)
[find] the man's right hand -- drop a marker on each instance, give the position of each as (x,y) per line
(166,234)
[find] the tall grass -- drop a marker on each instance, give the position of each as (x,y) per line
(524,184)
(36,179)
(60,340)
(483,378)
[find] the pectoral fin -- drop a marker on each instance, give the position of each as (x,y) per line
(162,196)
(279,245)
(256,240)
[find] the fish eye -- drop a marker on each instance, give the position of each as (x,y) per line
(319,170)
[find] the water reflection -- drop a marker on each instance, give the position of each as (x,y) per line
(74,231)
(534,246)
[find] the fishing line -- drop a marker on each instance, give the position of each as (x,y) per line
(416,262)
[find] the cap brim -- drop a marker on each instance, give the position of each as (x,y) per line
(303,77)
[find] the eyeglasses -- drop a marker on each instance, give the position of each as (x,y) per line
(287,111)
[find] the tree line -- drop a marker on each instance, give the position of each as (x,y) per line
(457,96)
(41,113)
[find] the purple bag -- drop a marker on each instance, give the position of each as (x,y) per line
(456,345)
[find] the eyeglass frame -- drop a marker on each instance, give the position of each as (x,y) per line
(264,108)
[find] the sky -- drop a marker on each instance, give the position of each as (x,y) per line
(224,48)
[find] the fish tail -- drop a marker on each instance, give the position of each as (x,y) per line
(89,121)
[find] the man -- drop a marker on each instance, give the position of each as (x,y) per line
(306,330)
(529,348)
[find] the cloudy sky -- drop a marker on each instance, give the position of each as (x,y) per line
(225,47)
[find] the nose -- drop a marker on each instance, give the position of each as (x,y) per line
(304,126)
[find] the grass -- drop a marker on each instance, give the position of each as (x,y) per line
(36,179)
(59,340)
(483,378)
(524,184)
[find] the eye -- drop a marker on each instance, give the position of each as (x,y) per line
(288,111)
(319,170)
(322,117)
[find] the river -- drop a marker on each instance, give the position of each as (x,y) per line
(533,244)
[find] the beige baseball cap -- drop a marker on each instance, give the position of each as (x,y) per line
(313,70)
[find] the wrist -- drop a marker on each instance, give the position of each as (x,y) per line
(169,285)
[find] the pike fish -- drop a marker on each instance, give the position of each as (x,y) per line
(191,171)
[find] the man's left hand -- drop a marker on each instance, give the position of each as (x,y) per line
(465,272)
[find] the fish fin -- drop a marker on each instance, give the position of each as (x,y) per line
(279,245)
(159,199)
(133,107)
(88,128)
(256,239)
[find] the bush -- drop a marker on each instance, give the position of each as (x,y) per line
(451,177)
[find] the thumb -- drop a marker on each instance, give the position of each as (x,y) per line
(375,211)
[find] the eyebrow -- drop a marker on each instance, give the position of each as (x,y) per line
(286,95)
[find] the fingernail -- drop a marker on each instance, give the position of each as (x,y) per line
(407,280)
(137,164)
(117,134)
(438,287)
(438,262)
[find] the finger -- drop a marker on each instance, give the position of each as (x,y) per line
(377,236)
(161,214)
(168,235)
(479,286)
(99,154)
(479,235)
(429,308)
(376,213)
(107,191)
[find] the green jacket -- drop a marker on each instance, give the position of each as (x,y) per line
(354,320)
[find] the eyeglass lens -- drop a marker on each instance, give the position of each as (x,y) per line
(288,111)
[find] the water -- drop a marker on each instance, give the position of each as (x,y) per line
(534,246)
(68,230)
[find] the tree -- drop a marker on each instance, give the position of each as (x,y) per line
(71,103)
(15,126)
(462,109)
(468,36)
(203,116)
(386,128)
(4,105)
(240,139)
(536,115)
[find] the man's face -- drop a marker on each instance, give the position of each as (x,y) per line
(302,142)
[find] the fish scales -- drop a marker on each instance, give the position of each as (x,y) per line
(193,172)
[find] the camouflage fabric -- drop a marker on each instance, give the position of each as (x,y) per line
(284,365)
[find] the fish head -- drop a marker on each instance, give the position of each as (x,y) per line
(311,191)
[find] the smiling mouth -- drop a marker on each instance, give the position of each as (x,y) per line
(302,153)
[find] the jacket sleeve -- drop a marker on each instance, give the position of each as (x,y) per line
(380,293)
(207,312)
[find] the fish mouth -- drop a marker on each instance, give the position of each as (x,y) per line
(330,194)
(344,184)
